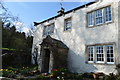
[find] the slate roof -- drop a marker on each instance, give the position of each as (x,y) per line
(77,8)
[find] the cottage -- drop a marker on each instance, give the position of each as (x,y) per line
(84,39)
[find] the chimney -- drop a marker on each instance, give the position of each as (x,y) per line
(61,11)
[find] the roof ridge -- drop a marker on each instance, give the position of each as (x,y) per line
(82,6)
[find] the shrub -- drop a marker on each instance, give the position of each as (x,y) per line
(8,73)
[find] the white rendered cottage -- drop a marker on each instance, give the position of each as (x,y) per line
(90,35)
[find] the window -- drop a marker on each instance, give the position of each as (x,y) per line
(68,24)
(100,54)
(90,54)
(100,16)
(108,15)
(110,54)
(48,30)
(90,19)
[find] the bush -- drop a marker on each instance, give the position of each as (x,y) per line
(118,77)
(8,73)
(79,76)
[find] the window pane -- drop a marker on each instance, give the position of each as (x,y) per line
(90,53)
(110,54)
(68,24)
(90,21)
(108,16)
(48,29)
(98,16)
(100,54)
(44,30)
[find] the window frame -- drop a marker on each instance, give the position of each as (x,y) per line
(109,54)
(47,30)
(92,18)
(66,22)
(104,53)
(100,54)
(103,16)
(98,16)
(90,54)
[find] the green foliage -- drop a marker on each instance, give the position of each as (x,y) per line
(13,58)
(15,40)
(12,72)
(118,77)
(8,73)
(62,74)
(0,73)
(8,49)
(78,76)
(41,77)
(14,46)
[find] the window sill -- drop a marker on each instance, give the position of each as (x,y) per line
(110,63)
(68,30)
(99,62)
(107,22)
(90,26)
(102,63)
(97,25)
(90,62)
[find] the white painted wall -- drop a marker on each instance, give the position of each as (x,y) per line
(80,35)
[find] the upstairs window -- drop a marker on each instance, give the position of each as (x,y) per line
(108,14)
(100,16)
(48,30)
(68,24)
(90,19)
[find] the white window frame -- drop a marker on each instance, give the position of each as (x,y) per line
(68,24)
(98,15)
(49,29)
(98,51)
(90,53)
(110,53)
(108,13)
(90,19)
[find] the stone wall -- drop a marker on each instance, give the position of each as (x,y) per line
(79,36)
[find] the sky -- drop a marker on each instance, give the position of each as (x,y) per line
(29,12)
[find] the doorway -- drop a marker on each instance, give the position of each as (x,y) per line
(46,60)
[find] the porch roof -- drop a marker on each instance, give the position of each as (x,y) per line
(54,43)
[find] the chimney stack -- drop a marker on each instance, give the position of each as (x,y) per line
(61,11)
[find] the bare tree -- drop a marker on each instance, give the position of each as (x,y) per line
(31,30)
(7,18)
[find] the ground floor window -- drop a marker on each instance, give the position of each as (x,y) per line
(110,53)
(100,54)
(91,54)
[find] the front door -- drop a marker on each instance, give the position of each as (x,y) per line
(46,60)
